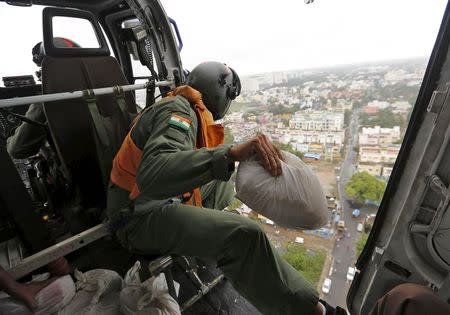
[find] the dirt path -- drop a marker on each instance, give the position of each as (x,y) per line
(326,174)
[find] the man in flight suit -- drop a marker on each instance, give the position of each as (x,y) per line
(175,148)
(29,138)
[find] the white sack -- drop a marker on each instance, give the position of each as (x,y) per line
(150,297)
(12,306)
(98,293)
(102,281)
(295,199)
(108,304)
(81,300)
(55,296)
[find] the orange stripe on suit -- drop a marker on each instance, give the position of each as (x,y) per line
(127,160)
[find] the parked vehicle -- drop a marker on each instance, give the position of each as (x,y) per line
(356,213)
(326,287)
(360,227)
(351,273)
(341,226)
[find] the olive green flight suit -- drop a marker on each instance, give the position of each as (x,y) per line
(27,138)
(160,224)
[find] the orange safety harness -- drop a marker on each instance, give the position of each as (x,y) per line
(127,160)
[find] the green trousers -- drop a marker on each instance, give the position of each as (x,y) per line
(241,249)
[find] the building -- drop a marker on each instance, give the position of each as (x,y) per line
(387,171)
(379,104)
(317,121)
(235,117)
(370,110)
(379,136)
(378,161)
(324,138)
(264,118)
(301,147)
(389,154)
(244,210)
(377,154)
(370,154)
(395,75)
(250,85)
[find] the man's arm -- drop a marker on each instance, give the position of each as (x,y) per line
(28,138)
(170,165)
(23,292)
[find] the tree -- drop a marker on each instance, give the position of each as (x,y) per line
(347,116)
(361,243)
(228,136)
(236,203)
(385,118)
(289,148)
(363,186)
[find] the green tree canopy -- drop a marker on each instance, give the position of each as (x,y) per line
(363,186)
(385,118)
(347,116)
(228,136)
(289,148)
(236,203)
(361,243)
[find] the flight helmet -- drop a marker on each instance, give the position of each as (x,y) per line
(38,50)
(218,84)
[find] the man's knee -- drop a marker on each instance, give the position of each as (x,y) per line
(247,233)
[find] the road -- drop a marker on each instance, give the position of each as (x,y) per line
(344,250)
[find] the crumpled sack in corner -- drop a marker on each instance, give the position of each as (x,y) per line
(98,292)
(150,297)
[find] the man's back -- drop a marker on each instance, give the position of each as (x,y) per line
(28,138)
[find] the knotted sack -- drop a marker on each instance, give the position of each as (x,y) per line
(294,199)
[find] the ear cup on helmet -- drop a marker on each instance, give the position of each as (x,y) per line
(38,51)
(235,89)
(218,84)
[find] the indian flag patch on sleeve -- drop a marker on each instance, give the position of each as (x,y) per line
(179,121)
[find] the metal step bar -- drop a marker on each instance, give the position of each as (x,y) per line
(25,100)
(42,258)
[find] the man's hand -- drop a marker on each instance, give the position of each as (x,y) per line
(269,155)
(26,292)
(59,267)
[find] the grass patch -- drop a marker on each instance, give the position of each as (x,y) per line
(308,263)
(361,243)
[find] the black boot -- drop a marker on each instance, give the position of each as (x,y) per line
(331,310)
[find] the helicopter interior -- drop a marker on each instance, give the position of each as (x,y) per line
(408,242)
(62,190)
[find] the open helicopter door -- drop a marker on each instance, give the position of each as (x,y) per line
(410,239)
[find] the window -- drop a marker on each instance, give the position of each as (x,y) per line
(79,31)
(18,59)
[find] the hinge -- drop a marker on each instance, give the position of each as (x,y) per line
(437,100)
(435,184)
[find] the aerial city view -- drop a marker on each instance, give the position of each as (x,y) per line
(234,157)
(347,124)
